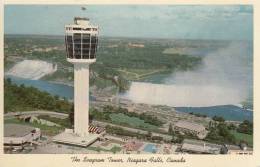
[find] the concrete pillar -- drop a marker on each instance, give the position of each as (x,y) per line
(81,99)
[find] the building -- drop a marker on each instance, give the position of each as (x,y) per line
(192,128)
(237,150)
(17,136)
(133,146)
(81,39)
(200,147)
(125,103)
(136,45)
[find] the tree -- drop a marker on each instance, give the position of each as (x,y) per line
(71,115)
(108,108)
(223,130)
(56,97)
(22,98)
(179,139)
(221,134)
(90,118)
(245,127)
(170,130)
(219,119)
(149,135)
(159,138)
(9,81)
(232,126)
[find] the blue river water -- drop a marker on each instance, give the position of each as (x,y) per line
(52,88)
(229,112)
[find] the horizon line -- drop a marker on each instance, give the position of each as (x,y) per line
(106,36)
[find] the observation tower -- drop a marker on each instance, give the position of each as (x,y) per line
(81,45)
(81,39)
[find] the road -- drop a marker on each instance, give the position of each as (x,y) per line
(36,113)
(103,124)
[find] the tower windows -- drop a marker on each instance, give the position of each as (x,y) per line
(81,45)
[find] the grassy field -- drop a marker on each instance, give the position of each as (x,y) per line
(120,118)
(98,149)
(244,137)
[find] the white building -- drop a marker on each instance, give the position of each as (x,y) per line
(17,136)
(192,128)
(200,147)
(238,150)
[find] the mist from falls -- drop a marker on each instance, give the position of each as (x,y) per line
(225,77)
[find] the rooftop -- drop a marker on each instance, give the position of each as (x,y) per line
(68,137)
(237,148)
(81,21)
(233,147)
(81,18)
(201,146)
(190,125)
(15,130)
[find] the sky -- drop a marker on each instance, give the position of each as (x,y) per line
(222,22)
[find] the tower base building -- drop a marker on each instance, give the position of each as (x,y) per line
(71,138)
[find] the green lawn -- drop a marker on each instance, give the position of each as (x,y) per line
(242,136)
(98,149)
(120,118)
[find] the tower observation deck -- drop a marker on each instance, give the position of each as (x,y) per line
(81,41)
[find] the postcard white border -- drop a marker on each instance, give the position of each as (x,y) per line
(45,160)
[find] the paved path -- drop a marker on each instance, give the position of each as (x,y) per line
(167,137)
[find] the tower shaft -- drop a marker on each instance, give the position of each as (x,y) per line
(81,98)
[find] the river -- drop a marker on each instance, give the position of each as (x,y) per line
(229,112)
(52,88)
